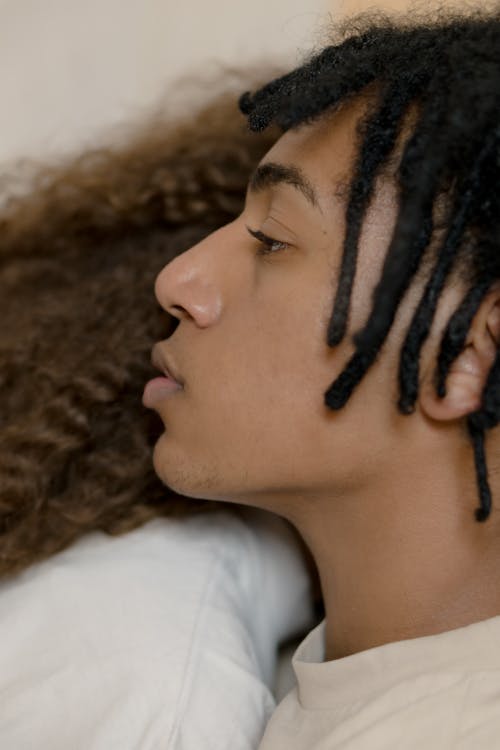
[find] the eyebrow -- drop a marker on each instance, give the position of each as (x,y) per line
(271,173)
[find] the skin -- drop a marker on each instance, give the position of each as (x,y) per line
(383,501)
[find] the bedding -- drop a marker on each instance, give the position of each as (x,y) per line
(165,637)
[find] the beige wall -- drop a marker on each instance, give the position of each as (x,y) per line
(70,70)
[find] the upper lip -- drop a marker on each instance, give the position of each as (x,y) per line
(162,362)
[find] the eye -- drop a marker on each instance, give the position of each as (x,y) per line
(268,245)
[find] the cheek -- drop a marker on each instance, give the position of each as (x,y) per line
(261,404)
(253,397)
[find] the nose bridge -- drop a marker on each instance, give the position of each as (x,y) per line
(192,283)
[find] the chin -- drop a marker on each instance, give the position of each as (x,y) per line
(184,476)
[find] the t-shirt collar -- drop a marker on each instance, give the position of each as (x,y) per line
(339,683)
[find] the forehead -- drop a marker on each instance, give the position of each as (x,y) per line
(324,150)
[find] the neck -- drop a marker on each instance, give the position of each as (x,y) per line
(404,558)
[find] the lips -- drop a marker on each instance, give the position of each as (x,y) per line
(163,363)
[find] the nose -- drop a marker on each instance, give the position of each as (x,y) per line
(188,288)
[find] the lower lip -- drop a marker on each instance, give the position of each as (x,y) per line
(158,389)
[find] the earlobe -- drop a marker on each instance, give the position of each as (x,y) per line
(464,387)
(468,374)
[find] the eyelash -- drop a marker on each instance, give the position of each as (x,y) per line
(266,242)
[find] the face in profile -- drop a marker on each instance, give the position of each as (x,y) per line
(253,301)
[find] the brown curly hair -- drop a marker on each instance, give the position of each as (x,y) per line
(78,258)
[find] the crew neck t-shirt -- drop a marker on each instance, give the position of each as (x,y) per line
(439,692)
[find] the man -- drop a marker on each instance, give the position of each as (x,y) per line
(363,274)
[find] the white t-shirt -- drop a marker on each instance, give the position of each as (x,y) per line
(439,692)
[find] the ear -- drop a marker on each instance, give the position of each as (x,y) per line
(468,374)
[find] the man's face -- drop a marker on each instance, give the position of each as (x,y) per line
(250,424)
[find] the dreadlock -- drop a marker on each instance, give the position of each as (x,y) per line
(445,70)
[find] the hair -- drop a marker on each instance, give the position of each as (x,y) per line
(79,252)
(443,73)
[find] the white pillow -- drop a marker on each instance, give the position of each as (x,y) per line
(163,638)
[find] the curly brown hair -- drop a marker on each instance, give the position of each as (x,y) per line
(78,258)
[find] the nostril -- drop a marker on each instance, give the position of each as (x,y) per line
(173,323)
(178,312)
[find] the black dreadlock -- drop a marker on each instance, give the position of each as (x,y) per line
(447,69)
